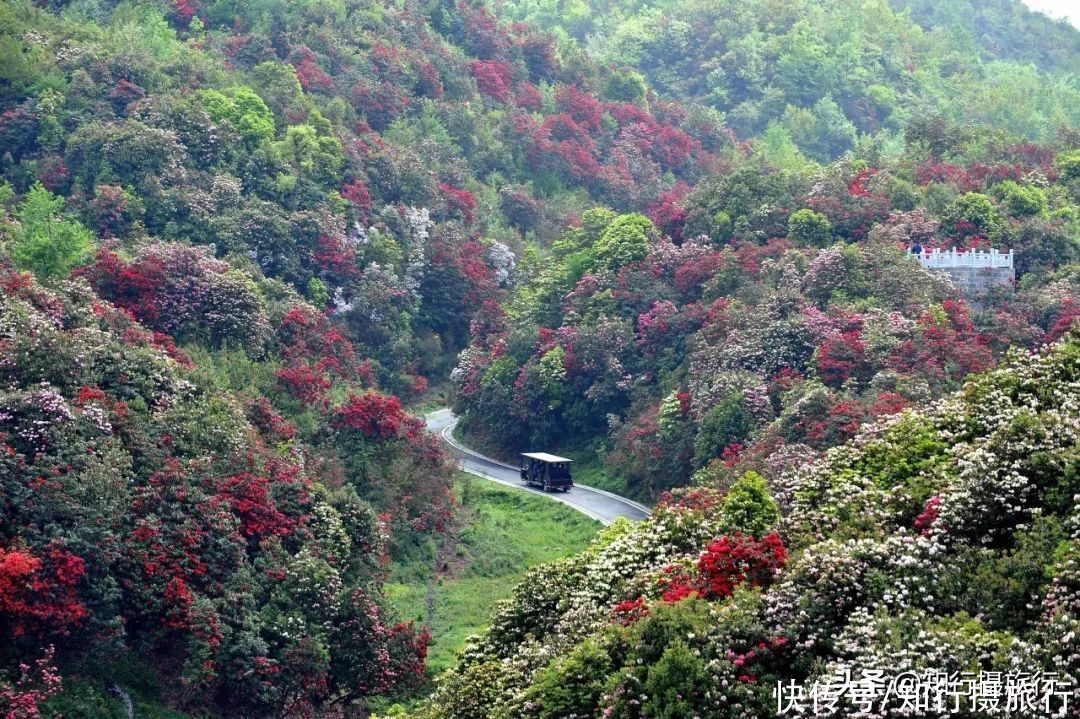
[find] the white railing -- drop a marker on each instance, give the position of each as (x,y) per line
(944,259)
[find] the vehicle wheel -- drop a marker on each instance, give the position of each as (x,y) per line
(566,489)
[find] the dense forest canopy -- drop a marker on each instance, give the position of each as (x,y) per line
(239,240)
(827,72)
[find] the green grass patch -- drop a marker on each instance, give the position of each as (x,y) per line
(507,531)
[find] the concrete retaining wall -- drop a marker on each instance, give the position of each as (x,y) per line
(977,281)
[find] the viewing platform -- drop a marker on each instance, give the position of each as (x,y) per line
(939,259)
(976,272)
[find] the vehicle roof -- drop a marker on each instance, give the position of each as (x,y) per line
(545,457)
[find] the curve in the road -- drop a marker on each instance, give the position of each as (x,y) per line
(602,506)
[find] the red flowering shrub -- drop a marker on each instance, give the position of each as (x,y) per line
(738,559)
(358,194)
(493,78)
(630,611)
(181,291)
(249,497)
(841,358)
(184,11)
(673,147)
(108,211)
(677,584)
(1066,318)
(522,210)
(312,77)
(39,595)
(124,93)
(702,499)
(485,37)
(691,275)
(888,403)
(54,174)
(305,383)
(948,347)
(527,96)
(336,259)
(381,103)
(374,415)
(270,422)
(582,107)
(667,213)
(929,514)
(460,202)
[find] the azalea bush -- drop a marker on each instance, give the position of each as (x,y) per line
(154,516)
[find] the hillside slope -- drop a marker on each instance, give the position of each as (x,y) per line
(825,72)
(770,315)
(943,540)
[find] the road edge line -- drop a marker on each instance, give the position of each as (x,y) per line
(560,500)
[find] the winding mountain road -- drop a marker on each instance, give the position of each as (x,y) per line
(602,506)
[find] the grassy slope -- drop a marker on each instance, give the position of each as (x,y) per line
(503,533)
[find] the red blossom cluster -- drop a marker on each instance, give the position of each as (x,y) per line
(459,202)
(316,353)
(380,102)
(39,595)
(842,357)
(701,499)
(738,559)
(493,78)
(630,611)
(311,76)
(336,259)
(359,195)
(948,345)
(928,515)
(376,416)
(184,11)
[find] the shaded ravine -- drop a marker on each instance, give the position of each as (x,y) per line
(602,506)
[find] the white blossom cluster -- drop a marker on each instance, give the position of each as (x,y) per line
(420,226)
(503,262)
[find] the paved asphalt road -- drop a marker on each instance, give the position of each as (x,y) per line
(598,504)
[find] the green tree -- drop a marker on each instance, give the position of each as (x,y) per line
(821,133)
(748,506)
(278,86)
(313,155)
(626,85)
(723,425)
(45,242)
(245,111)
(626,240)
(977,210)
(779,150)
(572,685)
(1023,200)
(1069,165)
(674,684)
(807,227)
